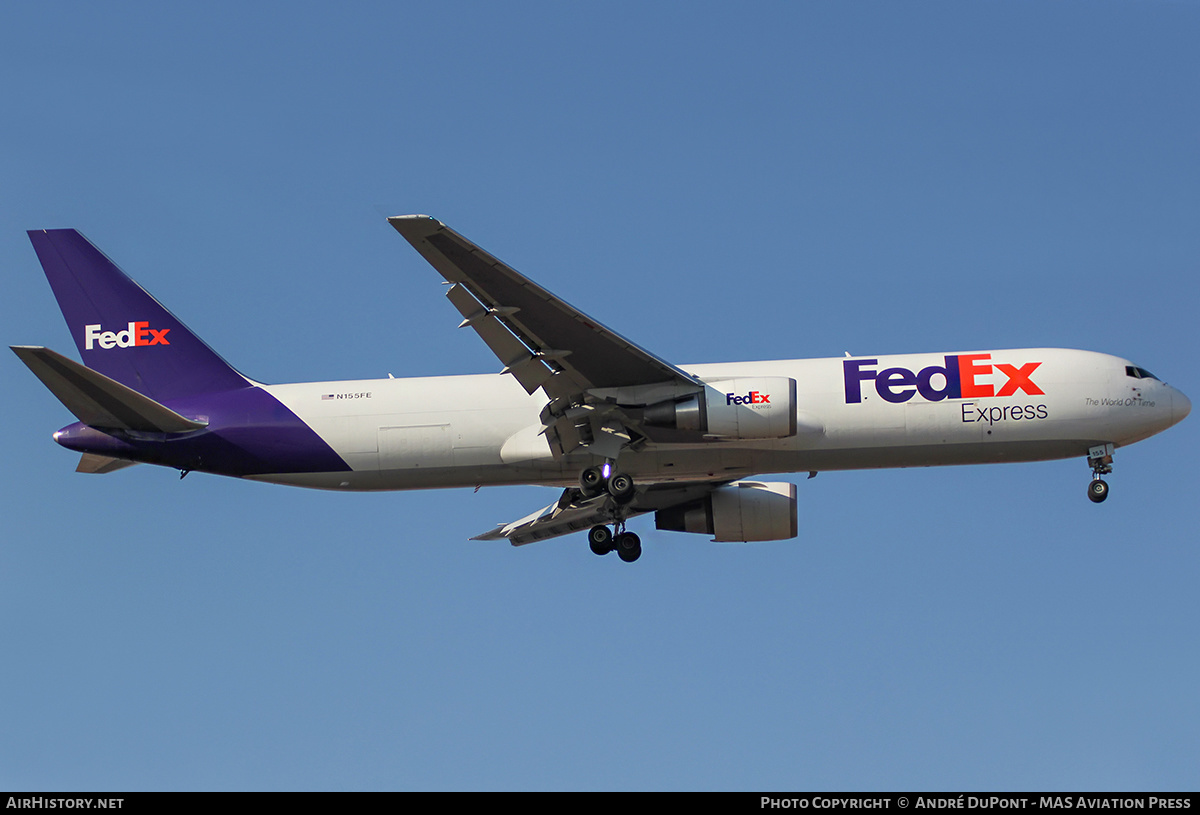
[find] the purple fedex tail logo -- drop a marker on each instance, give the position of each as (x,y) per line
(136,334)
(123,332)
(208,417)
(964,376)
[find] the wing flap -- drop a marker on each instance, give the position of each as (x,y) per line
(517,358)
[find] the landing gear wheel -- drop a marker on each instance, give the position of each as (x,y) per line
(592,481)
(620,487)
(1100,459)
(601,540)
(629,547)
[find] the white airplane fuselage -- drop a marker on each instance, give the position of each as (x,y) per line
(468,431)
(576,405)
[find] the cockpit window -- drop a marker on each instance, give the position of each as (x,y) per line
(1138,373)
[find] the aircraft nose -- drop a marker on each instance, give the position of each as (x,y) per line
(1181,406)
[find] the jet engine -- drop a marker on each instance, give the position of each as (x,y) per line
(741,511)
(762,407)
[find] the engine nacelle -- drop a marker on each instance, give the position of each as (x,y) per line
(741,511)
(759,407)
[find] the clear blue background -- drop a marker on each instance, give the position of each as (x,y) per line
(716,181)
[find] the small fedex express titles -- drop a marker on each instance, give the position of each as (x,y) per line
(961,375)
(752,398)
(135,334)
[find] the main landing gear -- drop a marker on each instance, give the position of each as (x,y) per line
(620,487)
(1100,459)
(602,541)
(595,480)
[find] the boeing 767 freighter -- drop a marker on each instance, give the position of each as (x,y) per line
(577,406)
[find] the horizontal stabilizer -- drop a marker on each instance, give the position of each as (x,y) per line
(98,401)
(93,463)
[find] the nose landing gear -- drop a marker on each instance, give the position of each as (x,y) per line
(1100,459)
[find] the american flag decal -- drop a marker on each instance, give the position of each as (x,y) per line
(326,396)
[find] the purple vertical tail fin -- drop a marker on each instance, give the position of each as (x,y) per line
(123,332)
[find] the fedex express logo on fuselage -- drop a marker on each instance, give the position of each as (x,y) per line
(135,334)
(752,398)
(963,376)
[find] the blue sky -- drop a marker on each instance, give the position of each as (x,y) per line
(717,182)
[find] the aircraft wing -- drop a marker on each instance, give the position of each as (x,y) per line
(541,340)
(572,514)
